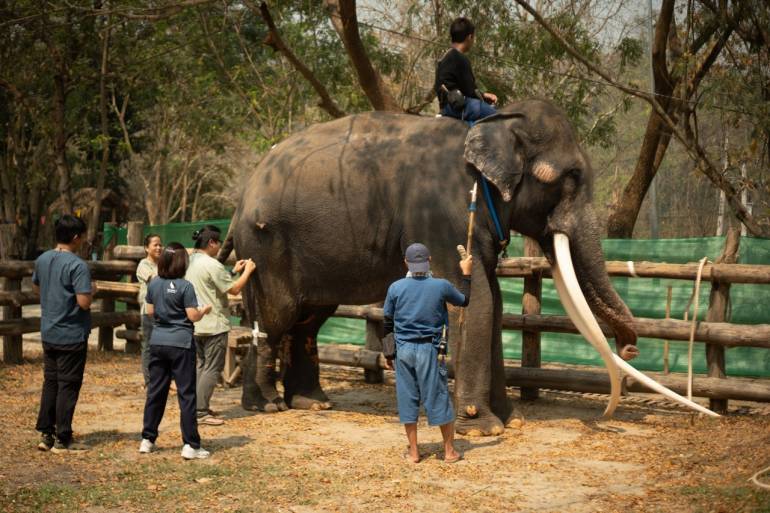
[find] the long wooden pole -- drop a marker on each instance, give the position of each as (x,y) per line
(571,379)
(721,333)
(521,267)
(471,217)
(469,239)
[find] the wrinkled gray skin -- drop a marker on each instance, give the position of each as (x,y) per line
(328,213)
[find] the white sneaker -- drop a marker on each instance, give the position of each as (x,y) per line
(146,447)
(189,453)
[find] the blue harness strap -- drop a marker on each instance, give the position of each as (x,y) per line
(493,212)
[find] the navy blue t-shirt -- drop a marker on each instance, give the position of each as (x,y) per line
(61,275)
(418,307)
(169,298)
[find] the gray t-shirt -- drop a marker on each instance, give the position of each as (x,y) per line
(169,298)
(62,275)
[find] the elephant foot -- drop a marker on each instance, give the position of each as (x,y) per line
(316,400)
(253,400)
(275,406)
(481,423)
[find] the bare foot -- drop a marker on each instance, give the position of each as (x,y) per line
(452,456)
(413,457)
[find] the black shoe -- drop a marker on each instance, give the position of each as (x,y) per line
(46,442)
(60,448)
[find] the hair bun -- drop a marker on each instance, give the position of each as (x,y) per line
(196,234)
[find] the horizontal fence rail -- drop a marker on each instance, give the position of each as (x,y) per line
(125,258)
(521,267)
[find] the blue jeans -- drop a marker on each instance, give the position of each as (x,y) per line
(473,111)
(421,378)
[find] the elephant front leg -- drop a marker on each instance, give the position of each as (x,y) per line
(473,362)
(302,377)
(259,378)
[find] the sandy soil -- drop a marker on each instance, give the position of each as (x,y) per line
(649,458)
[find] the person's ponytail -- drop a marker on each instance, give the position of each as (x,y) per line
(204,235)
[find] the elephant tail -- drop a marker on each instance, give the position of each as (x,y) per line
(227,245)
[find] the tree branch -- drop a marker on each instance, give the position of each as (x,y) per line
(275,41)
(343,17)
(148,13)
(694,150)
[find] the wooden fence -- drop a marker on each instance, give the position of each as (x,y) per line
(714,332)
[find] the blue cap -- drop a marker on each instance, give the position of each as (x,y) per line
(417,258)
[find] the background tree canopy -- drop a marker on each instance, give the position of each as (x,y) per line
(159,108)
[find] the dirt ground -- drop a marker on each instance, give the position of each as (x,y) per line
(649,458)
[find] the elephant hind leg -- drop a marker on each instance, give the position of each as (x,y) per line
(302,379)
(259,378)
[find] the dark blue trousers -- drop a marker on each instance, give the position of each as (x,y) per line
(168,362)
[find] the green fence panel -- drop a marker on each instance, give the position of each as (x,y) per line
(646,297)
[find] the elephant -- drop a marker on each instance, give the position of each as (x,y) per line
(329,211)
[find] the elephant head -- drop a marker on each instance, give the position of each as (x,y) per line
(529,152)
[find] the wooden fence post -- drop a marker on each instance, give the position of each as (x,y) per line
(12,344)
(108,305)
(135,237)
(530,304)
(717,312)
(374,331)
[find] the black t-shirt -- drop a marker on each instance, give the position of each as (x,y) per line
(454,71)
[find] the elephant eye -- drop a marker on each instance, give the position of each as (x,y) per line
(574,172)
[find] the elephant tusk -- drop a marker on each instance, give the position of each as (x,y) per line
(657,387)
(577,308)
(575,303)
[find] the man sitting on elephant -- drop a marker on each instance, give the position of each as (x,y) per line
(455,83)
(415,311)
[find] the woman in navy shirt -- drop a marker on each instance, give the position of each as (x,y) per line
(172,303)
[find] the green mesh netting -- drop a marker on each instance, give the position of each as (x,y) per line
(175,232)
(646,297)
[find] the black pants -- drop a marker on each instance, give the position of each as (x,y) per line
(168,362)
(63,367)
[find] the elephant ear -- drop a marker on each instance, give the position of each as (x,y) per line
(493,148)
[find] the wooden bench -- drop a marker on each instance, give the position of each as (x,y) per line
(237,344)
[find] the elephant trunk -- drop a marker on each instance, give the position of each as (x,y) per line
(601,296)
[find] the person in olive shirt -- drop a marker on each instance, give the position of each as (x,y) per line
(212,284)
(145,272)
(172,303)
(455,80)
(64,282)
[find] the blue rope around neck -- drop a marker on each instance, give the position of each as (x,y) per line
(493,212)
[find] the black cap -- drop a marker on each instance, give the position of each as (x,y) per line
(417,258)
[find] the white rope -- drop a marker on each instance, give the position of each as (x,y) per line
(631,269)
(696,294)
(755,479)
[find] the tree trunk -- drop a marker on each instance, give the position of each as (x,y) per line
(93,225)
(620,224)
(60,141)
(345,22)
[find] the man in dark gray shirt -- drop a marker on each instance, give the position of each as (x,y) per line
(64,283)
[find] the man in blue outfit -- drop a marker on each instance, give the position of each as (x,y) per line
(415,312)
(64,283)
(455,85)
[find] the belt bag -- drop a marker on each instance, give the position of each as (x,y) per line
(456,99)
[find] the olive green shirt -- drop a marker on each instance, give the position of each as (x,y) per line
(211,281)
(145,272)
